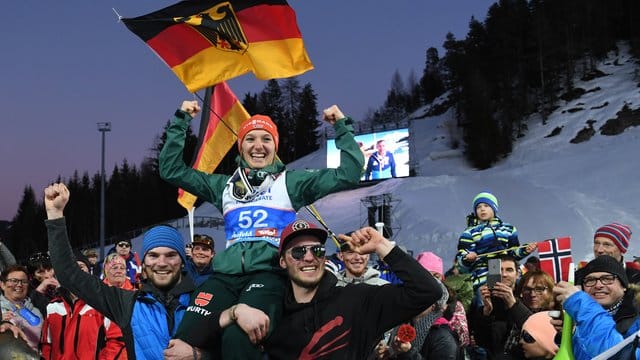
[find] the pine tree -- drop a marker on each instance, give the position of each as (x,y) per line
(414,92)
(481,131)
(290,102)
(250,103)
(27,234)
(306,123)
(431,82)
(271,100)
(395,106)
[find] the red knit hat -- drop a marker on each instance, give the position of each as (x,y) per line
(620,234)
(258,122)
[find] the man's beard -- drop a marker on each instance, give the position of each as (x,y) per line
(307,284)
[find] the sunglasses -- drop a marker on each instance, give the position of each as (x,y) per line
(526,337)
(124,244)
(299,252)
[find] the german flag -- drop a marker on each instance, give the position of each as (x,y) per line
(219,127)
(206,42)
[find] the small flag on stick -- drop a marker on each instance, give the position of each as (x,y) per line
(555,257)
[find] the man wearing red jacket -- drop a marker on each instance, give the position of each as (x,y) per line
(74,330)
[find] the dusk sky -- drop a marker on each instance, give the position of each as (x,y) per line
(68,65)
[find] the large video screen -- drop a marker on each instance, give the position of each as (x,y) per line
(386,154)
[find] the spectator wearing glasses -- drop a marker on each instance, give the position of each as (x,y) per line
(258,201)
(17,307)
(115,272)
(134,268)
(603,311)
(537,337)
(535,291)
(199,265)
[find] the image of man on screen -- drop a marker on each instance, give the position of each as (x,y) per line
(381,164)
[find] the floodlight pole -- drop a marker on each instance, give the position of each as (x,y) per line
(103,127)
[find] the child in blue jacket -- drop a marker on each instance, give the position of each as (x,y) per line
(487,234)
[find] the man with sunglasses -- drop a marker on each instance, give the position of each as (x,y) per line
(258,201)
(322,320)
(199,264)
(537,337)
(134,269)
(603,311)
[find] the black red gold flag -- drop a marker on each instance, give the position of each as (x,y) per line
(206,42)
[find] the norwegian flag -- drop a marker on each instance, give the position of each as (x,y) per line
(555,257)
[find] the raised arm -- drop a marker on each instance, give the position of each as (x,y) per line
(175,171)
(394,304)
(108,300)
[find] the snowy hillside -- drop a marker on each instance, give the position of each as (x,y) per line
(548,187)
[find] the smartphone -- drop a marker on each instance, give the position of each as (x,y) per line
(387,338)
(495,273)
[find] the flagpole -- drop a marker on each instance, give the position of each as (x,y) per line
(503,251)
(565,352)
(207,105)
(204,119)
(103,127)
(312,210)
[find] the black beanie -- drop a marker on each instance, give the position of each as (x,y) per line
(603,263)
(80,257)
